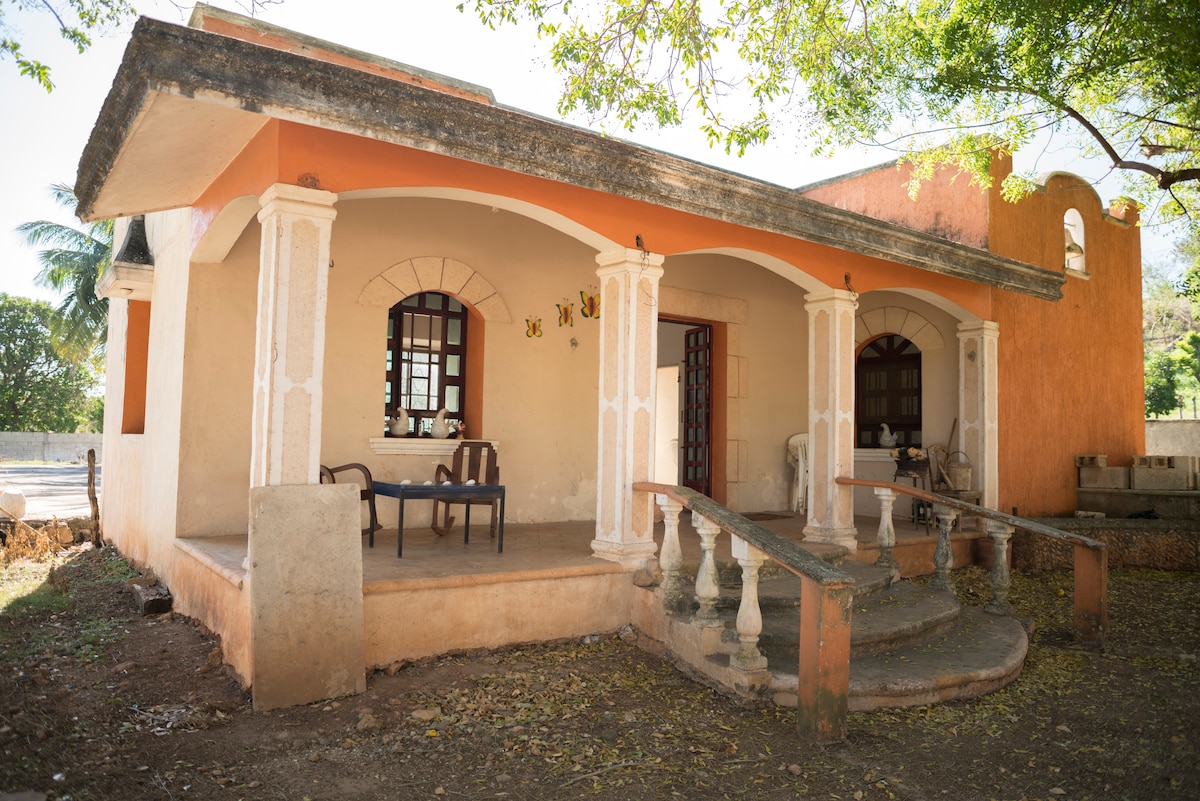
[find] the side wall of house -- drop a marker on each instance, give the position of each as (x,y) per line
(1070,372)
(948,206)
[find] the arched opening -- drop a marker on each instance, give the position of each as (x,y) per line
(887,392)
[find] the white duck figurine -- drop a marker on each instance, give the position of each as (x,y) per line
(887,439)
(440,429)
(398,425)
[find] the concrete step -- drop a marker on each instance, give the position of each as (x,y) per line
(902,616)
(979,655)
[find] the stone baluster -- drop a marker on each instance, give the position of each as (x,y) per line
(749,617)
(1000,533)
(708,589)
(943,556)
(887,532)
(670,559)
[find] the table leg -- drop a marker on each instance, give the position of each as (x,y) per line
(400,529)
(500,538)
(467,524)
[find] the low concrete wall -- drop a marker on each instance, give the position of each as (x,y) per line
(1173,437)
(1160,544)
(44,446)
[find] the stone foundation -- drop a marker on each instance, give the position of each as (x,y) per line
(1160,544)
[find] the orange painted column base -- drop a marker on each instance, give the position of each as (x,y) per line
(1091,594)
(824,689)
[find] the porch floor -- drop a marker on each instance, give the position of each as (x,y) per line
(537,548)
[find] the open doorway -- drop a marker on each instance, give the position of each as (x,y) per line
(684,430)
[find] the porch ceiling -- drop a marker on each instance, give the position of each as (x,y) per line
(185,102)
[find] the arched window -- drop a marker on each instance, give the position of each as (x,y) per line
(887,389)
(426,359)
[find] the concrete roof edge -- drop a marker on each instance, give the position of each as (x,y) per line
(293,87)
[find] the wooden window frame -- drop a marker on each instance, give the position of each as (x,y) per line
(446,310)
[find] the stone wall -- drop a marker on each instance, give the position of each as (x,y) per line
(1161,544)
(1173,437)
(42,446)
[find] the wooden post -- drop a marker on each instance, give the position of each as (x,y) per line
(1091,594)
(824,671)
(97,539)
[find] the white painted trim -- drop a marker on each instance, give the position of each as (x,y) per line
(418,446)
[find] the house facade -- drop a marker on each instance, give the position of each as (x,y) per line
(297,195)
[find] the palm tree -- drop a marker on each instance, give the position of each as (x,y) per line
(72,263)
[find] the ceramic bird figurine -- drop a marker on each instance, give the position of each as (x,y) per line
(440,429)
(887,439)
(398,425)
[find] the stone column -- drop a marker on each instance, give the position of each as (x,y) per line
(289,359)
(978,406)
(831,416)
(628,360)
(305,546)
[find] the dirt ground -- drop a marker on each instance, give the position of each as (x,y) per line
(99,703)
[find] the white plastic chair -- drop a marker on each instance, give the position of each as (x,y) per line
(797,456)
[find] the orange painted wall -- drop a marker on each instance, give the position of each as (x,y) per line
(1070,372)
(947,206)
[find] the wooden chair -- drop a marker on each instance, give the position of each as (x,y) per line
(367,494)
(475,461)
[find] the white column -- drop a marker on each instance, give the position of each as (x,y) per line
(831,416)
(978,405)
(289,359)
(628,361)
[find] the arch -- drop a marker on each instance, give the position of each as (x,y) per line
(783,269)
(436,274)
(909,324)
(551,219)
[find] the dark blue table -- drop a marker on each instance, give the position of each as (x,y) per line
(441,492)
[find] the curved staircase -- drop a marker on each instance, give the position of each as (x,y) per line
(909,644)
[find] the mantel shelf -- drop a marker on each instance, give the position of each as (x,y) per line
(418,446)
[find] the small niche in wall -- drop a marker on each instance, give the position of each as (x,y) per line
(1074,238)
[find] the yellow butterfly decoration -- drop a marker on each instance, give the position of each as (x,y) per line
(533,327)
(590,304)
(566,314)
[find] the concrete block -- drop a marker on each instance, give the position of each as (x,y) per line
(1093,460)
(1159,478)
(1150,460)
(1104,477)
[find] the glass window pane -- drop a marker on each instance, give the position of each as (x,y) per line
(412,301)
(453,365)
(453,332)
(433,300)
(452,399)
(455,306)
(420,331)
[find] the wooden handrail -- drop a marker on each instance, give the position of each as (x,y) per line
(783,551)
(978,511)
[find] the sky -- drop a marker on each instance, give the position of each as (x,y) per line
(44,133)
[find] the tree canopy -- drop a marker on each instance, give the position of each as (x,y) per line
(39,390)
(77,20)
(941,81)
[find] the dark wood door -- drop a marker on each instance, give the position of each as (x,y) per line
(696,448)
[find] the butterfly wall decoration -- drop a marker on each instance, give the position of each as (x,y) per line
(566,314)
(533,326)
(589,305)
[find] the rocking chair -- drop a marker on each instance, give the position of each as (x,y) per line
(475,462)
(367,493)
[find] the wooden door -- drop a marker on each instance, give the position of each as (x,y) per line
(696,447)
